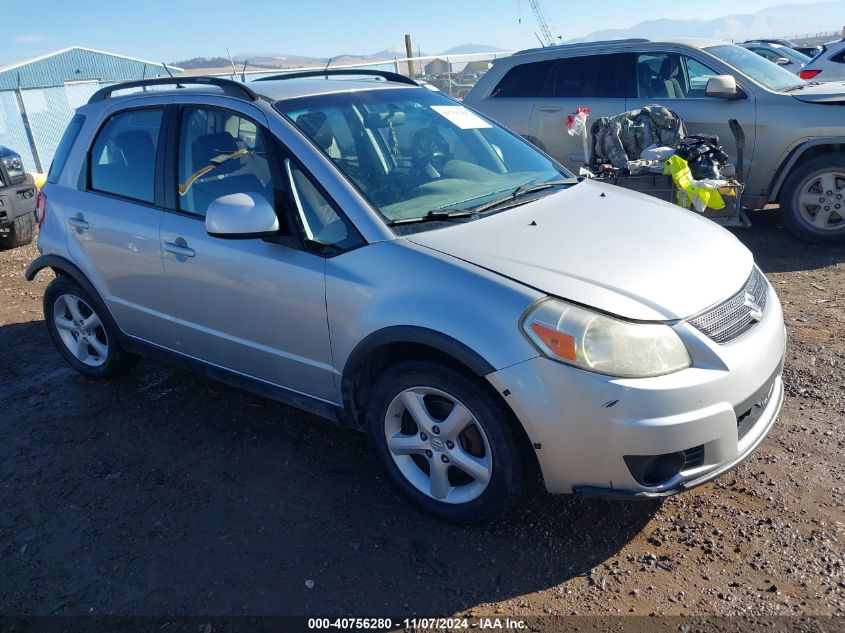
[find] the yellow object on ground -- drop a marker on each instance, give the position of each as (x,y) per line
(37,179)
(688,192)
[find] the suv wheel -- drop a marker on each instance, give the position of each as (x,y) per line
(813,203)
(83,332)
(19,232)
(444,442)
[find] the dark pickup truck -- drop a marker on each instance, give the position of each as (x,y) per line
(17,201)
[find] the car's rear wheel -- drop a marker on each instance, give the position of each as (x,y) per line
(18,233)
(813,202)
(445,442)
(82,331)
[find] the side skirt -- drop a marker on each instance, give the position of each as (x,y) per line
(315,406)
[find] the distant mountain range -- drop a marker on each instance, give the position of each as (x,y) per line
(778,21)
(274,60)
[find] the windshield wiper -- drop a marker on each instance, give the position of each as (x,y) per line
(434,216)
(799,86)
(523,190)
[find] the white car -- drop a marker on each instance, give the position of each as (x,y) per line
(827,65)
(783,56)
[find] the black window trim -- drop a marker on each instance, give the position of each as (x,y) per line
(158,201)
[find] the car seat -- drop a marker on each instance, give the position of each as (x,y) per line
(669,70)
(234,175)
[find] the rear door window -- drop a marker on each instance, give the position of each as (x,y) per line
(594,76)
(524,81)
(123,156)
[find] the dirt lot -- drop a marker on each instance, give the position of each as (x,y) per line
(163,493)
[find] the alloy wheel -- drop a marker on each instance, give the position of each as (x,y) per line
(81,330)
(438,445)
(821,201)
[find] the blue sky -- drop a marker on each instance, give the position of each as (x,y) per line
(171,30)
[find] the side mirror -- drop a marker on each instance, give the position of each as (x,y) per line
(723,87)
(782,61)
(241,215)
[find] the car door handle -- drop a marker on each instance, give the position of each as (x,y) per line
(78,222)
(180,250)
(549,109)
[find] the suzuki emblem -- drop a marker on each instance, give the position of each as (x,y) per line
(754,309)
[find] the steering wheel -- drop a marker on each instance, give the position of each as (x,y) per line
(429,152)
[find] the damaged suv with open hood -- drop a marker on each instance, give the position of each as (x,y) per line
(378,254)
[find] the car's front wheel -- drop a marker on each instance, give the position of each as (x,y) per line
(445,442)
(83,332)
(813,200)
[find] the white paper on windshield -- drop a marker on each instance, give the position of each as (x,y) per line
(460,116)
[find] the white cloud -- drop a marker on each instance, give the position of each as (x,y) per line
(26,39)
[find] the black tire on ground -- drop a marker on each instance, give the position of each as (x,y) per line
(807,176)
(117,361)
(19,233)
(506,472)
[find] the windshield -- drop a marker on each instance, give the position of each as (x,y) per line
(413,153)
(791,53)
(759,69)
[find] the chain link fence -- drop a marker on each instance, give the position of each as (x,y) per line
(32,120)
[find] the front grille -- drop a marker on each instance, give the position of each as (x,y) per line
(737,315)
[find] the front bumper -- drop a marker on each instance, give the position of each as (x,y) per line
(588,429)
(16,201)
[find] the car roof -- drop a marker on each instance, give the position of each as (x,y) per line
(609,45)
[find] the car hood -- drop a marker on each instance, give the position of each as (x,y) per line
(830,92)
(603,246)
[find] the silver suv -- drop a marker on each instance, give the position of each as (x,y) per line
(794,130)
(378,254)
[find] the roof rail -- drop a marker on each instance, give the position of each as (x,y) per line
(226,85)
(326,72)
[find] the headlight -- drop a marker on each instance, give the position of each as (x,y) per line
(593,341)
(13,165)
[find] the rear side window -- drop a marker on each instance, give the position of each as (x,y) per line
(839,57)
(65,145)
(594,76)
(123,157)
(525,80)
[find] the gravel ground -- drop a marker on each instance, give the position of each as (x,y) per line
(165,494)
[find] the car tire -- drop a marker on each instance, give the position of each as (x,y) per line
(20,232)
(451,451)
(83,331)
(810,197)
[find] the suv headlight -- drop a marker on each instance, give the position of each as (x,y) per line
(14,166)
(596,342)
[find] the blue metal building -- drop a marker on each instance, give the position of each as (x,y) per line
(77,64)
(38,96)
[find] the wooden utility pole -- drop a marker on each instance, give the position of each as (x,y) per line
(409,52)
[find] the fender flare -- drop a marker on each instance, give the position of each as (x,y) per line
(405,334)
(64,266)
(794,156)
(420,336)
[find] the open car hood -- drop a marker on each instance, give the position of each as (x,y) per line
(831,92)
(606,247)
